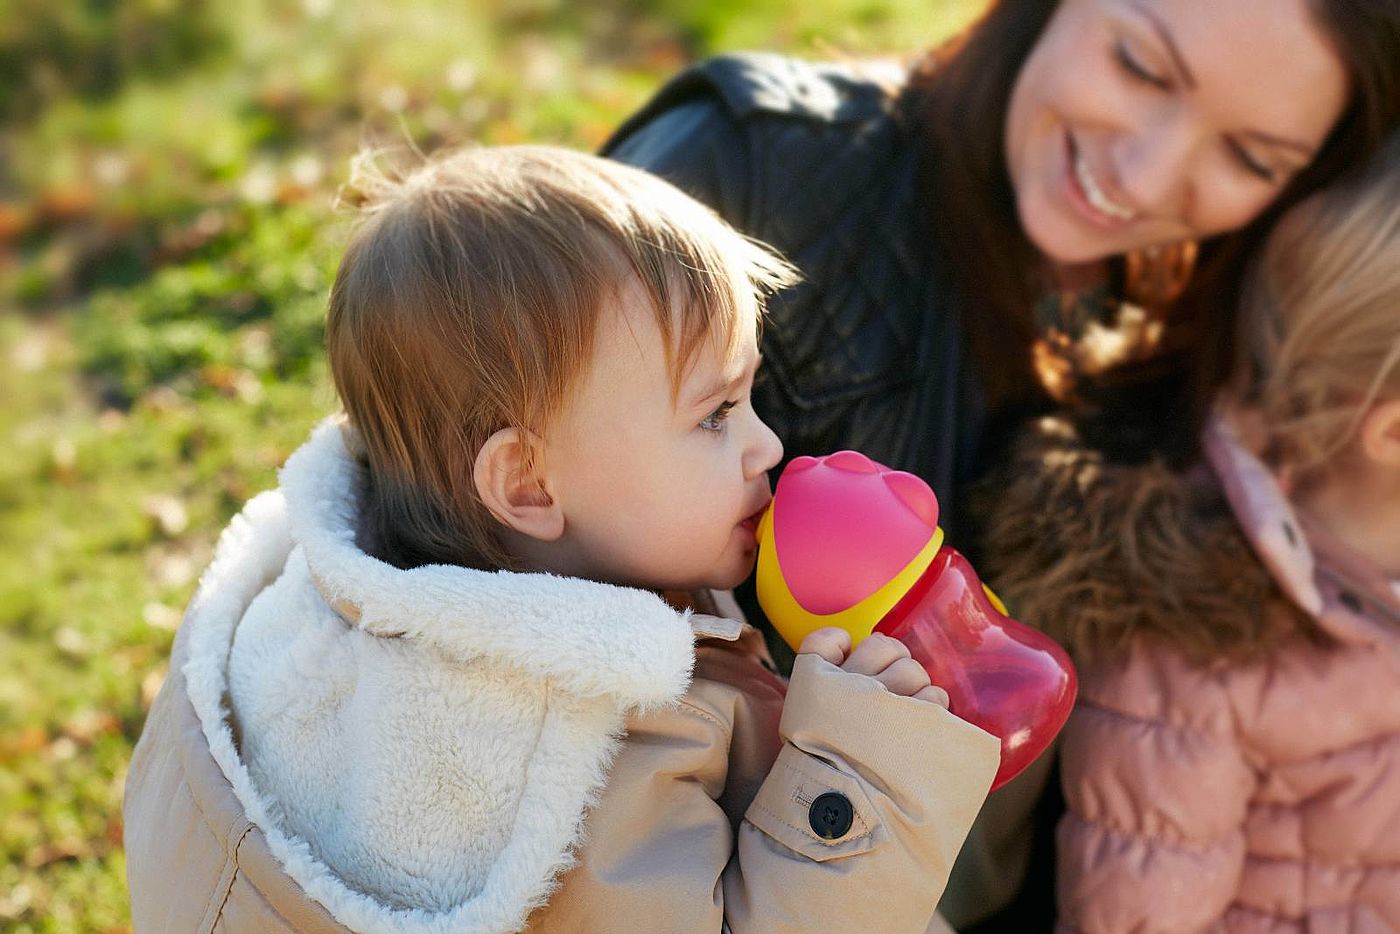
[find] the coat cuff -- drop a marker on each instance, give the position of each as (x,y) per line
(892,758)
(854,722)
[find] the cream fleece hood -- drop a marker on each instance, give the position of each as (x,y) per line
(418,747)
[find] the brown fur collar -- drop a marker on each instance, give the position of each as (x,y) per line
(1098,554)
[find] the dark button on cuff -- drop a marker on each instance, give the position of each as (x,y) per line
(831,815)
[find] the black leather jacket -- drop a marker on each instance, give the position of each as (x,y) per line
(867,353)
(815,159)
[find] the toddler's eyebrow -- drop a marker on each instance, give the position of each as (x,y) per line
(723,386)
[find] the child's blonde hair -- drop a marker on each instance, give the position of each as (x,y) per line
(1321,320)
(467,302)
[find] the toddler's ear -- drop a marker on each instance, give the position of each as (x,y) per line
(1380,434)
(511,486)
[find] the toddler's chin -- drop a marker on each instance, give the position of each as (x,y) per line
(735,577)
(727,577)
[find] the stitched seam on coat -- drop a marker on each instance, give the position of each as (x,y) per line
(1242,908)
(185,783)
(1187,844)
(1089,706)
(855,813)
(690,707)
(238,848)
(219,899)
(1390,737)
(1332,865)
(1249,751)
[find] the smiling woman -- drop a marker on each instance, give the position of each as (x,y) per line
(1161,131)
(1087,152)
(1056,206)
(963,225)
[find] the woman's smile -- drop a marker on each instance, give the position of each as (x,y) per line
(1087,195)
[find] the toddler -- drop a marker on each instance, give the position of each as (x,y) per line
(1234,761)
(473,666)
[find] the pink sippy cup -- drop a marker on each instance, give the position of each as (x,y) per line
(848,542)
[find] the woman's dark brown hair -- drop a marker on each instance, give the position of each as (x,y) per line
(957,101)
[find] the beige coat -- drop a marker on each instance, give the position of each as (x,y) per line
(703,819)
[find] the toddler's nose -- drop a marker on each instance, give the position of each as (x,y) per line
(765,452)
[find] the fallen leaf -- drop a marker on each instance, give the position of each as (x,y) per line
(74,201)
(85,726)
(14,221)
(114,829)
(72,848)
(71,642)
(14,905)
(27,741)
(111,421)
(62,749)
(167,512)
(31,352)
(461,75)
(159,616)
(64,457)
(162,400)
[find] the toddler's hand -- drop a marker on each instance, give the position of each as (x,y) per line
(879,657)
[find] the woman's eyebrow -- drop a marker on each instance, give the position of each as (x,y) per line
(1165,35)
(1268,139)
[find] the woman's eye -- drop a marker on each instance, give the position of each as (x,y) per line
(1137,70)
(1251,164)
(715,420)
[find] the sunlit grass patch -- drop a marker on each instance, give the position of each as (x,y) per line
(166,245)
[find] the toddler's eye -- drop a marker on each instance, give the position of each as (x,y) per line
(715,420)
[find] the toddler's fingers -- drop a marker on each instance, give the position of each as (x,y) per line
(904,677)
(934,695)
(875,654)
(831,643)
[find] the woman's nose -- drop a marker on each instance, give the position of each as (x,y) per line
(1155,167)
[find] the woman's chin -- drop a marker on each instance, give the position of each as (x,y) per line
(1066,240)
(1063,245)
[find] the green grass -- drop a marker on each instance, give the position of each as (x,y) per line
(167,238)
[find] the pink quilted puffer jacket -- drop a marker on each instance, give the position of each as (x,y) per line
(1257,795)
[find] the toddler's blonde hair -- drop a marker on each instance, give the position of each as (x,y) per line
(467,302)
(1321,320)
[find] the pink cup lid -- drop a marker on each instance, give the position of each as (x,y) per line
(845,526)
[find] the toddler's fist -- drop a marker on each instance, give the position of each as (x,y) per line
(879,657)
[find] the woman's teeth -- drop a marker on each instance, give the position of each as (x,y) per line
(1097,199)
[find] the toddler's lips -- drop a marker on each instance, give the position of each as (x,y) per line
(750,525)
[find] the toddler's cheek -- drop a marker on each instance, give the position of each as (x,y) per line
(734,570)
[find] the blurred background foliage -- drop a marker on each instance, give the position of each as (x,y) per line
(167,236)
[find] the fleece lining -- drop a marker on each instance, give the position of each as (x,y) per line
(419,747)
